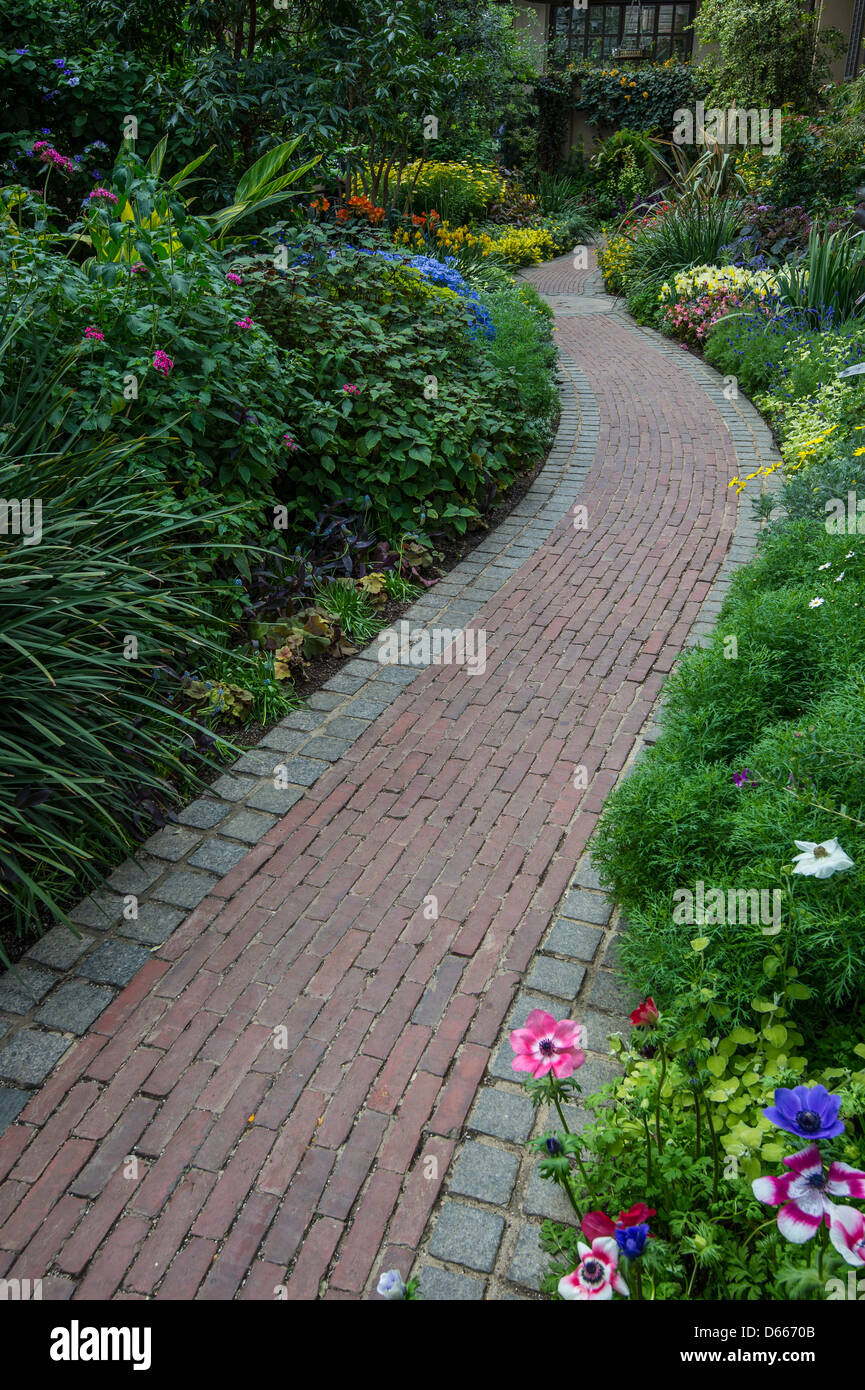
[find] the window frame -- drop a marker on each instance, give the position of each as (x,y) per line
(577,45)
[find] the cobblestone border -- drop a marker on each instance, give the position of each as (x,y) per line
(62,984)
(482,1239)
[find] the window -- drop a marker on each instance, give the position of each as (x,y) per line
(598,31)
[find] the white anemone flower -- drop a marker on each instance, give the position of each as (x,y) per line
(391,1285)
(820,861)
(815,602)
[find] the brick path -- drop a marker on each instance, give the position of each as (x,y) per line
(252,1111)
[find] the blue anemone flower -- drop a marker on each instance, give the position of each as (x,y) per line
(809,1113)
(632,1240)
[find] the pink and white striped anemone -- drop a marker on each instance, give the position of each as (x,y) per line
(847,1234)
(597,1274)
(545,1045)
(802,1193)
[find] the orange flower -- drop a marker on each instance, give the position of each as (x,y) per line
(343,215)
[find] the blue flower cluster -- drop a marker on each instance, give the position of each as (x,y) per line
(443,273)
(72,80)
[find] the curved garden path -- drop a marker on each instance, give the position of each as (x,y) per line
(257,1105)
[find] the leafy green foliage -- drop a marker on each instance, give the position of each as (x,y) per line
(640,96)
(829,276)
(682,1130)
(692,234)
(95,622)
(417,455)
(768,53)
(788,708)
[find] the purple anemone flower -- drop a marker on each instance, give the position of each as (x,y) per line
(743,778)
(810,1113)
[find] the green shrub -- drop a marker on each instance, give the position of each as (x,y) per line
(433,428)
(788,707)
(688,236)
(523,350)
(86,99)
(459,192)
(644,305)
(767,53)
(830,275)
(218,413)
(94,622)
(646,101)
(750,347)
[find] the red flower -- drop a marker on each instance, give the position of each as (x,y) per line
(596,1224)
(637,1215)
(645,1014)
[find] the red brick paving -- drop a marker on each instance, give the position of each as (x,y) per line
(262,1169)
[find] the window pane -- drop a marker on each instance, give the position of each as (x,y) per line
(665,19)
(596,20)
(613,15)
(682,45)
(664,49)
(683,17)
(562,14)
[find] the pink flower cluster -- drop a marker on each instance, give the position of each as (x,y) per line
(351,390)
(691,320)
(244,323)
(233,278)
(102,193)
(91,332)
(162,362)
(290,444)
(49,155)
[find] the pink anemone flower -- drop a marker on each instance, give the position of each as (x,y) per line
(597,1275)
(847,1234)
(545,1045)
(802,1193)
